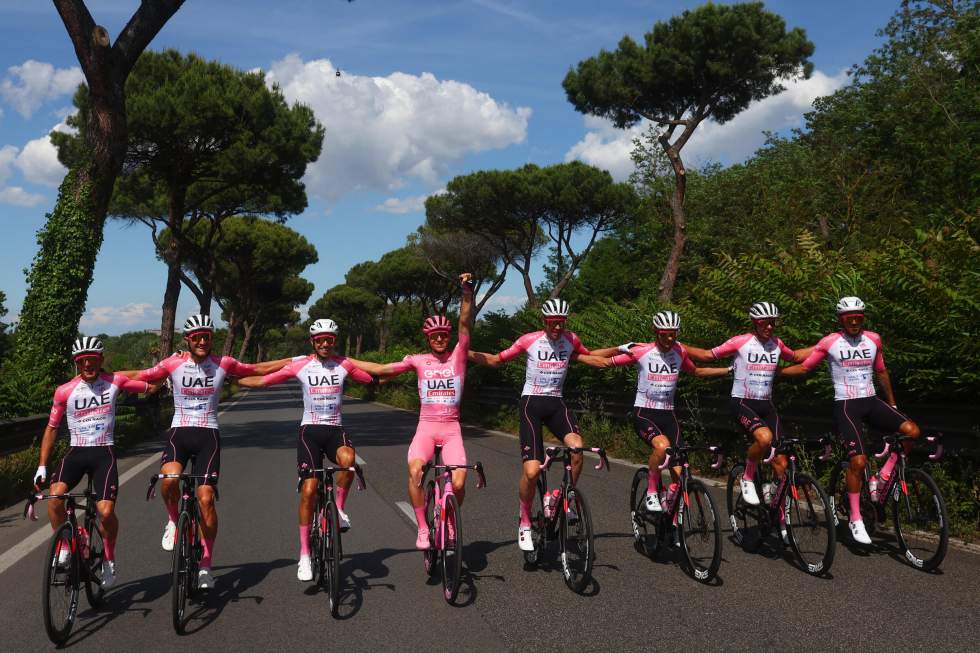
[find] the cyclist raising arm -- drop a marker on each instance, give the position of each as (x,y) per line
(548,353)
(440,373)
(757,356)
(322,377)
(852,353)
(89,402)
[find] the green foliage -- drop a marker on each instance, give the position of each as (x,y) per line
(354,309)
(6,341)
(58,281)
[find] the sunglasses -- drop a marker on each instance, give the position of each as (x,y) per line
(200,336)
(83,357)
(439,335)
(327,338)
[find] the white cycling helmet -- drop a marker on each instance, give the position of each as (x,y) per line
(850,305)
(87,345)
(763,311)
(198,322)
(323,326)
(555,308)
(667,320)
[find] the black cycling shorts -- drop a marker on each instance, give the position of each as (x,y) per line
(537,410)
(201,444)
(851,413)
(753,414)
(651,422)
(100,465)
(315,442)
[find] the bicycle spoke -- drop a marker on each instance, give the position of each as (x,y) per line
(811,526)
(701,532)
(919,514)
(61,586)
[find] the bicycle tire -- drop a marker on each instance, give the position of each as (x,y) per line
(430,555)
(316,543)
(60,591)
(452,549)
(181,570)
(640,520)
(538,525)
(810,522)
(700,526)
(332,558)
(924,511)
(94,591)
(745,520)
(837,492)
(577,540)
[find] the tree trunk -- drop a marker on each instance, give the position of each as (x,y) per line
(357,347)
(347,343)
(389,309)
(168,312)
(233,325)
(246,339)
(260,351)
(669,279)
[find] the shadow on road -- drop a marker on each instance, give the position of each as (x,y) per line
(230,586)
(124,598)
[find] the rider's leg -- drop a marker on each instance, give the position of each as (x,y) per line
(307,503)
(209,522)
(108,527)
(345,458)
(657,456)
(907,428)
(526,488)
(57,513)
(459,484)
(762,439)
(575,440)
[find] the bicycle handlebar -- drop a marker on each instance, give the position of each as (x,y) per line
(938,441)
(34,497)
(712,448)
(553,453)
(481,481)
(358,475)
(891,440)
(151,491)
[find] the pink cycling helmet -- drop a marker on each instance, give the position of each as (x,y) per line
(435,324)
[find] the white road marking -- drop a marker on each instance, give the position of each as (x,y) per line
(408,510)
(12,555)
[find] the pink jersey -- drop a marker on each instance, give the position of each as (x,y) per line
(440,382)
(547,361)
(323,385)
(851,361)
(197,387)
(755,364)
(656,373)
(91,407)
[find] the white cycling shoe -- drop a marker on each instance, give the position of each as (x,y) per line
(784,534)
(63,555)
(205,581)
(169,536)
(344,520)
(859,532)
(422,540)
(524,538)
(108,574)
(304,570)
(749,495)
(653,502)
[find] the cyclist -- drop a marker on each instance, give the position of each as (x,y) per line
(852,353)
(658,365)
(440,374)
(757,356)
(322,375)
(89,402)
(196,377)
(548,353)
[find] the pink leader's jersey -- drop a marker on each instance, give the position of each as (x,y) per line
(755,364)
(440,382)
(547,361)
(197,388)
(656,373)
(851,361)
(323,385)
(91,407)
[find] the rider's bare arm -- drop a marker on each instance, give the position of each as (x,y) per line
(699,355)
(592,360)
(708,372)
(792,370)
(606,352)
(466,306)
(801,355)
(251,382)
(378,369)
(483,358)
(269,367)
(885,381)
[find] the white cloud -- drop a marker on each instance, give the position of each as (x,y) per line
(33,83)
(8,154)
(506,303)
(112,316)
(403,205)
(38,161)
(13,194)
(382,132)
(607,147)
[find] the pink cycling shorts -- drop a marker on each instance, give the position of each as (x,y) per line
(430,434)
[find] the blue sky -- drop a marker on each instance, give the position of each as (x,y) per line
(429,90)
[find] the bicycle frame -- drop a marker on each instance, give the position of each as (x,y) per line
(680,453)
(443,488)
(893,444)
(89,522)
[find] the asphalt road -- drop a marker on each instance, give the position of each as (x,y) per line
(760,601)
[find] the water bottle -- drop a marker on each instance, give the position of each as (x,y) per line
(83,542)
(671,494)
(768,489)
(873,487)
(550,501)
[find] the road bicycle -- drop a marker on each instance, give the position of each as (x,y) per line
(563,514)
(326,548)
(918,509)
(445,523)
(689,518)
(188,546)
(81,565)
(796,505)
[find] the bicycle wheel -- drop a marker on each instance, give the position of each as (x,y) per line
(316,544)
(810,522)
(452,549)
(331,559)
(182,569)
(538,524)
(60,590)
(746,520)
(92,568)
(700,532)
(430,555)
(577,542)
(921,525)
(837,492)
(643,539)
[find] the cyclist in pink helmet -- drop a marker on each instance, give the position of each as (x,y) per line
(440,375)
